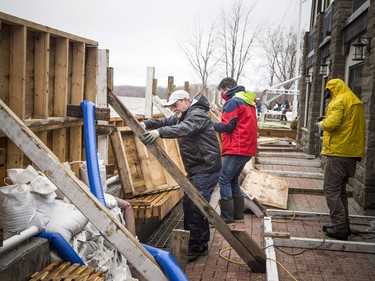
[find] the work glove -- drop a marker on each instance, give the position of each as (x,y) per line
(143,125)
(319,124)
(151,136)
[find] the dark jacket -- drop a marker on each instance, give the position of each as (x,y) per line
(239,123)
(199,147)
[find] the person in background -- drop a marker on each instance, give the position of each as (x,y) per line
(259,107)
(343,145)
(285,108)
(239,132)
(200,153)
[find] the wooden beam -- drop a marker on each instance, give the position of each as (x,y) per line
(309,163)
(78,193)
(12,20)
(272,273)
(122,163)
(317,176)
(60,98)
(253,256)
(179,246)
(41,79)
(101,100)
(326,244)
(286,155)
(76,97)
(101,113)
(17,87)
(148,94)
(298,215)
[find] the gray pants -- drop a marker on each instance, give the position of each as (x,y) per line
(337,172)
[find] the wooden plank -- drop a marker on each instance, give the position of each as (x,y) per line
(101,101)
(253,205)
(122,163)
(326,244)
(304,175)
(135,164)
(156,170)
(17,87)
(268,189)
(41,79)
(12,20)
(76,97)
(146,166)
(78,193)
(179,246)
(298,215)
(286,155)
(90,73)
(309,163)
(272,273)
(100,113)
(159,105)
(253,256)
(60,95)
(148,94)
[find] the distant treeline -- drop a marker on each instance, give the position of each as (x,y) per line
(137,91)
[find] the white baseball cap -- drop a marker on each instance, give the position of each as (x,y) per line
(175,96)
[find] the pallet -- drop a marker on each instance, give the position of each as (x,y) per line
(155,205)
(67,271)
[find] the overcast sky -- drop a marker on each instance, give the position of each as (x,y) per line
(142,33)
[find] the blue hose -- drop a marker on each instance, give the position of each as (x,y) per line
(92,163)
(167,262)
(64,250)
(165,259)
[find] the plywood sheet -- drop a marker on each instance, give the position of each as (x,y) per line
(270,190)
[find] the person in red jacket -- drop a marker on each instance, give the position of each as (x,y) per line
(239,133)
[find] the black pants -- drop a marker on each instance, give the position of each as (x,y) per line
(194,220)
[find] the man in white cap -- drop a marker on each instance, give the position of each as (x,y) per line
(200,153)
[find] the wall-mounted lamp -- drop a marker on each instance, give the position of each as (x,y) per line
(323,68)
(359,48)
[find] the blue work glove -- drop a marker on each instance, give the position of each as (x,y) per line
(151,136)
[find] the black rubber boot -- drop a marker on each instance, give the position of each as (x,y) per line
(226,207)
(238,204)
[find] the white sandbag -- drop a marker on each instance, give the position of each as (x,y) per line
(102,171)
(44,205)
(18,210)
(22,175)
(110,201)
(66,219)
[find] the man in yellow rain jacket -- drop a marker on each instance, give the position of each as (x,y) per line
(344,145)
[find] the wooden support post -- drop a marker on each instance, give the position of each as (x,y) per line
(250,252)
(102,85)
(41,79)
(179,246)
(78,74)
(60,95)
(77,192)
(17,87)
(171,87)
(148,94)
(122,163)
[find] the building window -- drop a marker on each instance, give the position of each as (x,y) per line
(355,79)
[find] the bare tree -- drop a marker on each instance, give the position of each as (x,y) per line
(200,49)
(280,52)
(238,37)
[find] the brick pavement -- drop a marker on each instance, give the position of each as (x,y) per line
(309,265)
